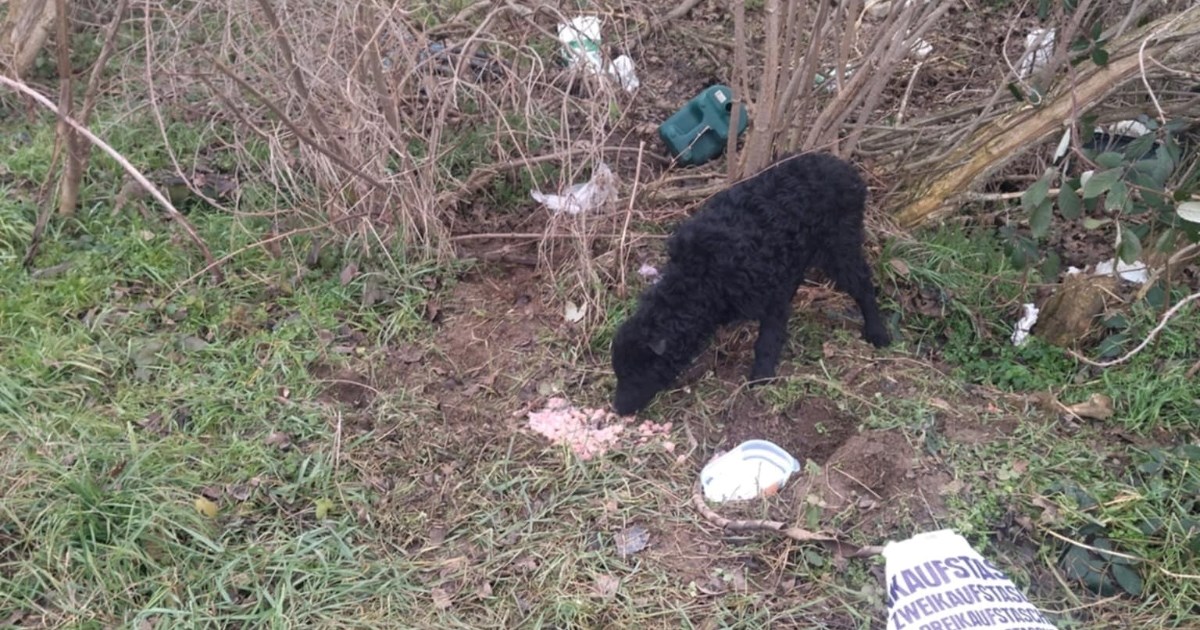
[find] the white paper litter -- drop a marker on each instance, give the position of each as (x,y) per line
(921,48)
(1135,271)
(583,197)
(1130,128)
(649,272)
(623,71)
(1064,144)
(1039,46)
(581,39)
(1021,334)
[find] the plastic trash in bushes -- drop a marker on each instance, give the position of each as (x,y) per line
(699,131)
(599,190)
(581,39)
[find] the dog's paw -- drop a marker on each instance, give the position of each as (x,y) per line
(877,336)
(761,376)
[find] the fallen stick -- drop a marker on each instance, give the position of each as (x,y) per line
(799,534)
(129,168)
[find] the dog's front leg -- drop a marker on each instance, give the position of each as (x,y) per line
(772,333)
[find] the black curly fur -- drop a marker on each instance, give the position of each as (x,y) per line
(742,257)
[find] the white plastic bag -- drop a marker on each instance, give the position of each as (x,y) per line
(583,197)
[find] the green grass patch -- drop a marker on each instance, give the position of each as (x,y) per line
(972,294)
(129,398)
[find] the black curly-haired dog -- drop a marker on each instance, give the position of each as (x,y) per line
(742,257)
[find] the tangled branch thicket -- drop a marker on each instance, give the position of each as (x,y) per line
(373,120)
(362,112)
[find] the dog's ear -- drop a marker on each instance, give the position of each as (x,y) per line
(658,347)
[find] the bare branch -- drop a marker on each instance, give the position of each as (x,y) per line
(129,168)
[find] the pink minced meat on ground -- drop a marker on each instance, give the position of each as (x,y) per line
(590,432)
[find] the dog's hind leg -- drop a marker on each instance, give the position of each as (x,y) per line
(852,275)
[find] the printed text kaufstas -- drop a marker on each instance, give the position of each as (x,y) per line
(935,573)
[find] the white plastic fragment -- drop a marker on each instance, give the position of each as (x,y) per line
(623,71)
(1129,128)
(1021,334)
(581,39)
(879,8)
(921,48)
(753,468)
(937,580)
(583,197)
(648,272)
(1134,272)
(1039,46)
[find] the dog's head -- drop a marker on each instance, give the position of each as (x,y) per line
(642,363)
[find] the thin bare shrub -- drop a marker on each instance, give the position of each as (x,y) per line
(855,58)
(380,126)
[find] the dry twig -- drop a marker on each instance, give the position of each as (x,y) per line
(798,534)
(1145,342)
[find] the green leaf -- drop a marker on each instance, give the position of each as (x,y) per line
(1099,183)
(1091,224)
(1111,345)
(1128,579)
(1130,246)
(1110,159)
(1088,121)
(1100,56)
(1166,240)
(1162,169)
(1043,9)
(1069,203)
(323,506)
(1138,149)
(1118,198)
(1080,564)
(1039,221)
(1189,211)
(1036,194)
(1171,145)
(1156,297)
(1051,266)
(206,507)
(1118,321)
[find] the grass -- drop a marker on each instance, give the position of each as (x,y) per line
(121,415)
(1084,485)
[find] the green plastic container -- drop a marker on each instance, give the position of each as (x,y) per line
(699,131)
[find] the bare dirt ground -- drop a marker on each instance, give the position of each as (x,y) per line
(448,416)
